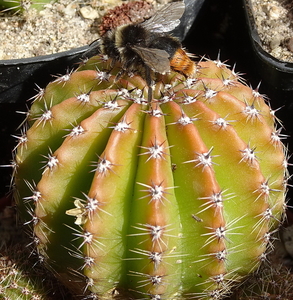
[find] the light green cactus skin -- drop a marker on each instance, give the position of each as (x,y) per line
(174,199)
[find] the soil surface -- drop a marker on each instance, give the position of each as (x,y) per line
(61,25)
(274,21)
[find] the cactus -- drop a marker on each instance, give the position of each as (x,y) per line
(269,283)
(15,284)
(22,5)
(170,199)
(18,280)
(21,276)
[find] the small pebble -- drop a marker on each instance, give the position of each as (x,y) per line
(71,9)
(275,42)
(89,13)
(274,12)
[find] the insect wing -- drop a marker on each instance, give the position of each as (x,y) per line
(156,59)
(166,19)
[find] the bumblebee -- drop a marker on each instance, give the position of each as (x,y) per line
(147,45)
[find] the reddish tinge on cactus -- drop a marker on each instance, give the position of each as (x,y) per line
(172,199)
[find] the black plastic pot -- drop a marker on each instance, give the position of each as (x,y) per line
(18,77)
(276,73)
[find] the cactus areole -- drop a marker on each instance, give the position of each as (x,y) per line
(176,198)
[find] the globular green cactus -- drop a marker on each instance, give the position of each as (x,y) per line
(172,199)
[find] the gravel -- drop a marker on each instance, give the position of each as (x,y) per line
(274,21)
(60,26)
